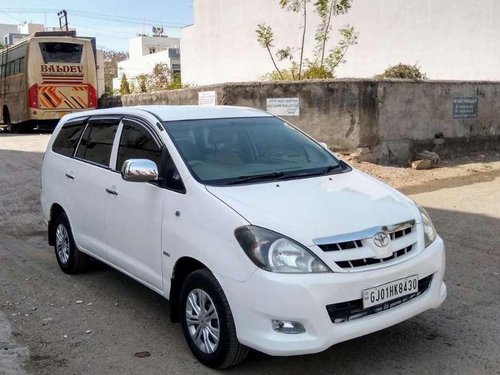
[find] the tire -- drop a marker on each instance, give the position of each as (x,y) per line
(69,258)
(227,352)
(11,128)
(14,128)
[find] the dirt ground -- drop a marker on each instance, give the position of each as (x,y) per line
(450,171)
(118,317)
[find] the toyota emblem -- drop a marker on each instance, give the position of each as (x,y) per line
(381,239)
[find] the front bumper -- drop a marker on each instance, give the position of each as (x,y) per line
(303,298)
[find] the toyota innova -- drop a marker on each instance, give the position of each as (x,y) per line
(257,234)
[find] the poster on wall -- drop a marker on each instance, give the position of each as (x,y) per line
(465,106)
(207,98)
(283,106)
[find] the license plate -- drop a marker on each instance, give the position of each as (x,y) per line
(389,291)
(61,114)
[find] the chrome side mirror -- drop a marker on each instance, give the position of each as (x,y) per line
(323,144)
(139,170)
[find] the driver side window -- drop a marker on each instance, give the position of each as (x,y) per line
(137,143)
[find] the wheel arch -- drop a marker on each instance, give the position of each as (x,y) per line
(183,267)
(55,211)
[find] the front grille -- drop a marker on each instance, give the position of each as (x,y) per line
(351,310)
(368,261)
(354,259)
(341,246)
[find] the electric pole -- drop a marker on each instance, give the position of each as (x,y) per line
(63,15)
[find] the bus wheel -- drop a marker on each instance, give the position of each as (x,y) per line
(11,128)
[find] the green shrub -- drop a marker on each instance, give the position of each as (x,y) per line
(402,71)
(124,85)
(292,74)
(317,72)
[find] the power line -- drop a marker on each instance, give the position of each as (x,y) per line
(14,18)
(129,19)
(87,15)
(105,35)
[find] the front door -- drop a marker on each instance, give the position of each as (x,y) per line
(134,215)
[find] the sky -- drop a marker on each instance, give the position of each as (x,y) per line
(112,22)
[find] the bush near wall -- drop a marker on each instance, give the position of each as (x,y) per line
(402,71)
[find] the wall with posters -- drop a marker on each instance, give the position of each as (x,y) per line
(384,120)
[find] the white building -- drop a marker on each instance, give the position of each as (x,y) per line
(11,34)
(144,53)
(448,39)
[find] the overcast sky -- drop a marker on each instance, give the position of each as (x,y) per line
(112,22)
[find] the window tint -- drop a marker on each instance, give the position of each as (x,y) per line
(137,143)
(53,52)
(67,139)
(97,142)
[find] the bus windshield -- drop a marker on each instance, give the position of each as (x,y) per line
(57,52)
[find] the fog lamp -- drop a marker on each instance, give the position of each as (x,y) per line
(288,327)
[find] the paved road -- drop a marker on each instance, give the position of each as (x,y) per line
(123,317)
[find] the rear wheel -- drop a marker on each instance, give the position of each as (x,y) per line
(11,128)
(208,323)
(70,259)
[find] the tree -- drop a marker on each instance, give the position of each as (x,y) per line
(141,81)
(124,85)
(265,38)
(111,60)
(162,78)
(324,62)
(298,6)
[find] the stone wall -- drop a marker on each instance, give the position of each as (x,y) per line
(384,120)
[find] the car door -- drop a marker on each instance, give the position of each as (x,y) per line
(134,217)
(87,175)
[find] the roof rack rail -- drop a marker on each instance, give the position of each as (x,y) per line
(55,33)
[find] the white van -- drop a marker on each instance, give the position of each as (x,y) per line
(257,235)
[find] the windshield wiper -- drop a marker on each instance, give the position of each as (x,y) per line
(310,174)
(282,175)
(257,177)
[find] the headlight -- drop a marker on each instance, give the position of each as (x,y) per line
(274,252)
(429,230)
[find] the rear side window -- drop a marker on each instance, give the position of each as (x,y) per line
(137,143)
(97,142)
(56,52)
(67,139)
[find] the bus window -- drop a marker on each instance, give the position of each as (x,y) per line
(53,52)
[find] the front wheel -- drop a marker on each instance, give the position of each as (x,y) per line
(208,323)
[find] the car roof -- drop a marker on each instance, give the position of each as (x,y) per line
(179,112)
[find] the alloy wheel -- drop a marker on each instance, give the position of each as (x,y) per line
(202,321)
(62,243)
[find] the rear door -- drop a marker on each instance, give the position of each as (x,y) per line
(88,174)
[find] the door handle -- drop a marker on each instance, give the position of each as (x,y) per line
(70,176)
(112,192)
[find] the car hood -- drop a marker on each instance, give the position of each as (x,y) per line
(310,208)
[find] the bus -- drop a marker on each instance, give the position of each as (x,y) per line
(44,77)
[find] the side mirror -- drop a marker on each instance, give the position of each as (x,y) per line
(139,170)
(323,144)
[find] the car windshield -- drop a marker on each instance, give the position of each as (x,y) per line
(247,150)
